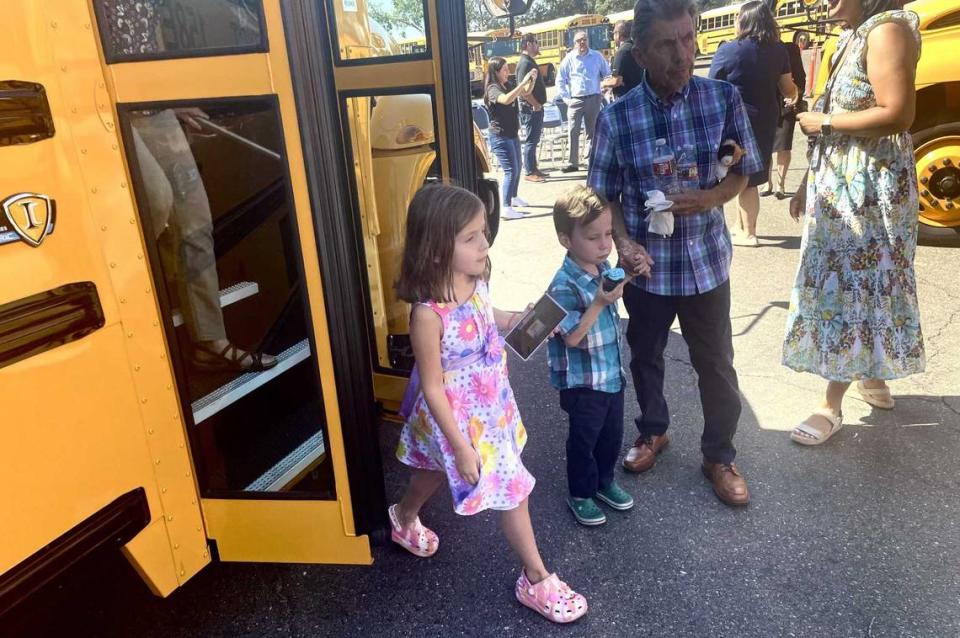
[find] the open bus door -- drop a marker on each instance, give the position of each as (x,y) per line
(202,207)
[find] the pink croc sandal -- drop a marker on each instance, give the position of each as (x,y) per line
(551,598)
(418,540)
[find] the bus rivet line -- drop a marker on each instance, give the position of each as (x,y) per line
(53,25)
(83,151)
(115,147)
(176,545)
(155,322)
(94,189)
(163,490)
(113,264)
(87,26)
(140,256)
(73,109)
(132,220)
(182,572)
(170,517)
(156,461)
(193,501)
(204,554)
(123,184)
(199,530)
(144,399)
(146,290)
(136,368)
(64,68)
(129,335)
(187,475)
(108,124)
(123,300)
(169,387)
(163,356)
(103,228)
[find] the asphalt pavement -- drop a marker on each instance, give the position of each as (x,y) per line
(856,538)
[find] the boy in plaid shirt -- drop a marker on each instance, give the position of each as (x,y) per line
(584,356)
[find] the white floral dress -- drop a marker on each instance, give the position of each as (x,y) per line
(478,389)
(853,310)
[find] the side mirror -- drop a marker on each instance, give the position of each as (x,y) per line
(507,8)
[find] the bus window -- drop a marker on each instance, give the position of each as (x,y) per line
(214,201)
(393,142)
(362,38)
(503,48)
(159,29)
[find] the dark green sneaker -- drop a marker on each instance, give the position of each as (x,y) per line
(615,496)
(586,512)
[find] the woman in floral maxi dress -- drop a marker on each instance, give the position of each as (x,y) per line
(853,311)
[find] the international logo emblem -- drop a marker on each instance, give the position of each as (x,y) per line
(27,217)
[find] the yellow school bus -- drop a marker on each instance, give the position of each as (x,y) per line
(936,126)
(555,38)
(181,175)
(802,22)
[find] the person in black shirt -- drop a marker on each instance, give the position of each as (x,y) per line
(783,141)
(625,72)
(500,96)
(531,107)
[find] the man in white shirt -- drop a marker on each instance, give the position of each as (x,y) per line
(581,74)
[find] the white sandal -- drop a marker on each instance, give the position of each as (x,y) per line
(877,397)
(806,434)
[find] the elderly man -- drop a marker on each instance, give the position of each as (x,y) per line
(686,275)
(581,73)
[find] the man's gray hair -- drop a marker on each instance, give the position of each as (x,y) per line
(646,12)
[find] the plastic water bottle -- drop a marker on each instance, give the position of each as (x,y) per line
(665,169)
(688,176)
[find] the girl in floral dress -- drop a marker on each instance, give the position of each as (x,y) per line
(462,423)
(853,311)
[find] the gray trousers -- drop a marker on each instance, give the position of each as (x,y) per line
(180,215)
(582,111)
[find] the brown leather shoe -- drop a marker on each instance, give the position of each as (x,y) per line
(533,177)
(728,483)
(643,454)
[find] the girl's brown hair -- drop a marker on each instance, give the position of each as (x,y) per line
(435,215)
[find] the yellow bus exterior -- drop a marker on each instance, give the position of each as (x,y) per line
(801,22)
(119,434)
(936,126)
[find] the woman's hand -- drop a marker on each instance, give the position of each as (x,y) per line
(810,122)
(798,203)
(468,463)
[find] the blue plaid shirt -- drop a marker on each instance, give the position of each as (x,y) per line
(595,362)
(696,258)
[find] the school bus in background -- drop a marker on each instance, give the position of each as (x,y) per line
(802,22)
(555,38)
(408,46)
(215,170)
(936,125)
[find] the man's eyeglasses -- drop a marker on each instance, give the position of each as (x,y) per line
(580,40)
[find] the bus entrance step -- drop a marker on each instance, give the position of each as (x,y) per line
(290,467)
(233,294)
(205,407)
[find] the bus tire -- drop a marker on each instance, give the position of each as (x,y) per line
(489,192)
(801,39)
(937,156)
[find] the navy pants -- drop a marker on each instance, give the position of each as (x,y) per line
(595,438)
(705,324)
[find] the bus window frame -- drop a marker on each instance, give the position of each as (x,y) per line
(272,102)
(426,54)
(263,46)
(342,97)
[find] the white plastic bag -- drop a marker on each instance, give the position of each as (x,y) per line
(659,218)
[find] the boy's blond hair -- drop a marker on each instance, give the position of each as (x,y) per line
(578,206)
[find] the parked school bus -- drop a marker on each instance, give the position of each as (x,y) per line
(936,125)
(211,173)
(801,22)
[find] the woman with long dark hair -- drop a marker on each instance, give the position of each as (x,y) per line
(757,64)
(500,97)
(853,311)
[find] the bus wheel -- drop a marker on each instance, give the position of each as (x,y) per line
(489,192)
(937,154)
(801,39)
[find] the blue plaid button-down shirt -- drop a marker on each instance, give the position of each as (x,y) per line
(595,362)
(696,258)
